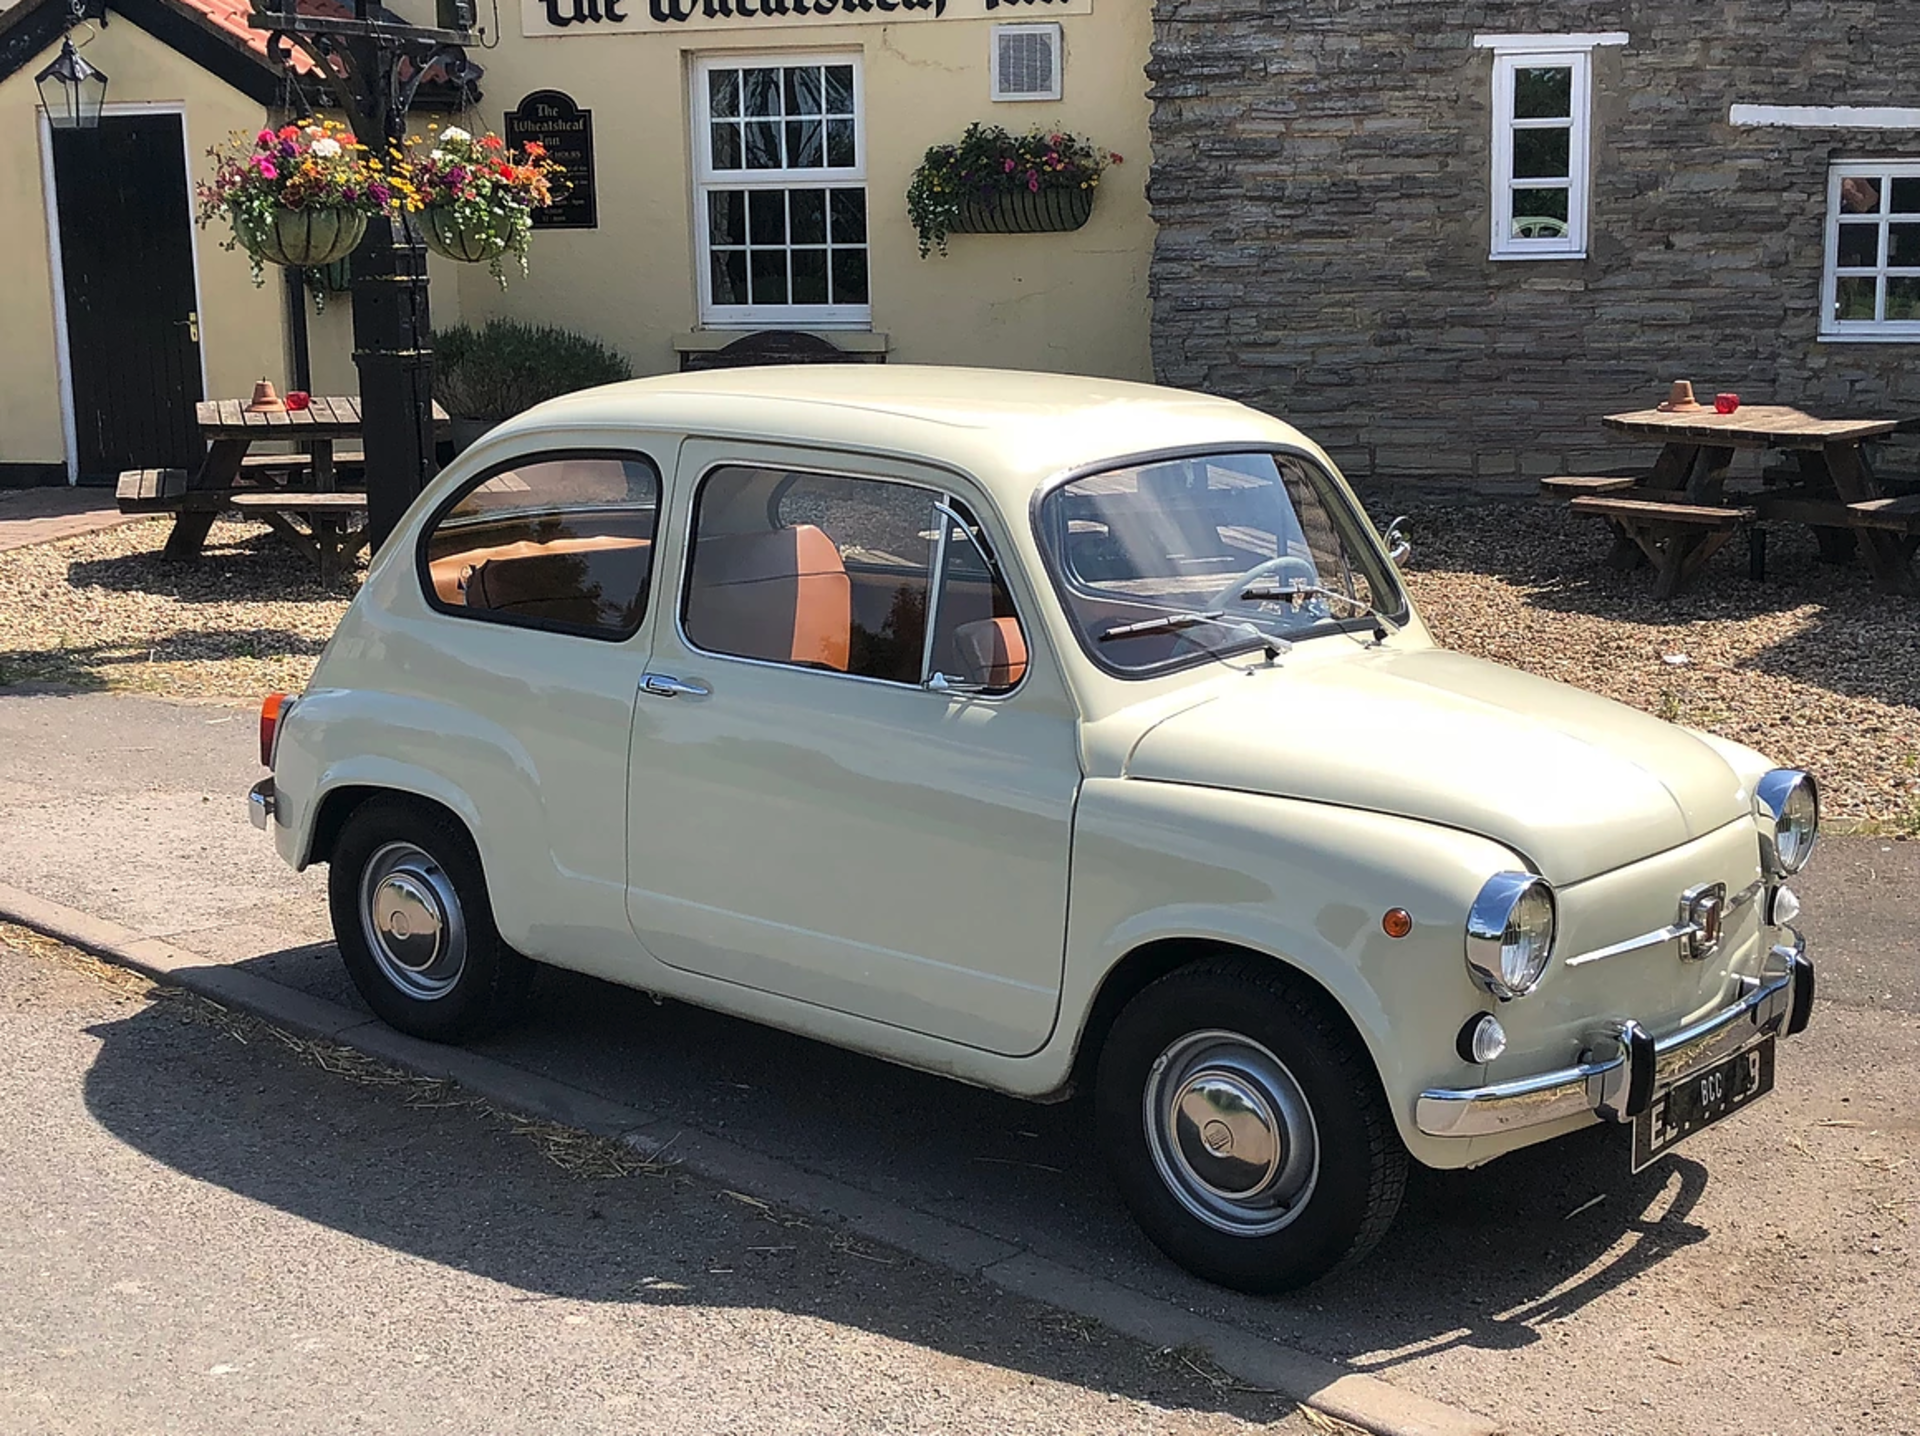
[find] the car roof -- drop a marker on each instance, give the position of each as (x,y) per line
(1010,429)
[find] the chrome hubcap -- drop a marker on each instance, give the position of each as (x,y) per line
(1231,1133)
(412,920)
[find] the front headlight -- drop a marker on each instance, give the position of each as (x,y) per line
(1510,934)
(1787,803)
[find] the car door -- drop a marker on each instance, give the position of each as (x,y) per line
(539,575)
(809,816)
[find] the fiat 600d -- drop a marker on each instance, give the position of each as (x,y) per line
(1038,731)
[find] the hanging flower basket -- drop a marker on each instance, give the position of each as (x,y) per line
(306,238)
(446,235)
(993,182)
(1047,211)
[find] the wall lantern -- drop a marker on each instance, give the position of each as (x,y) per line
(72,90)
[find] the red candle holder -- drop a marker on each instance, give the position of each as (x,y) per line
(1722,403)
(300,399)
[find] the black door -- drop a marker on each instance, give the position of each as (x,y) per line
(132,335)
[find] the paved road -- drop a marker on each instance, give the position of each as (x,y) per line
(1763,1280)
(205,1233)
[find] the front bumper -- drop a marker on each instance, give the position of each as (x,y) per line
(261,804)
(1619,1074)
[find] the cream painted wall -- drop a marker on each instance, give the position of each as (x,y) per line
(1074,302)
(241,328)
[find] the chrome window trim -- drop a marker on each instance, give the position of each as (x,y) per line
(895,685)
(1363,536)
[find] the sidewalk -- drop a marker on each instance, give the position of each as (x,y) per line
(1489,1286)
(30,516)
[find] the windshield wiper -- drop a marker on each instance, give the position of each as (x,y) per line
(1297,590)
(1179,622)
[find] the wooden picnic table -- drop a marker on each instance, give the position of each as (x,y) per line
(1680,514)
(231,429)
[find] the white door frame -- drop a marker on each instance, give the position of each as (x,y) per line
(63,354)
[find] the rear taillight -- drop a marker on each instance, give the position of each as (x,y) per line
(270,711)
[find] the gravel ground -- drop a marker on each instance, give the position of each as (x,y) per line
(1811,667)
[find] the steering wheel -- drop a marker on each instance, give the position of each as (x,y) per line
(1301,567)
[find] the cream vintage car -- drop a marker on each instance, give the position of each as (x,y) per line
(1038,731)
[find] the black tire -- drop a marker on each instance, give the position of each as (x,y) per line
(415,927)
(1251,1046)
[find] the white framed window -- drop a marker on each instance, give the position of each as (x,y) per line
(1871,287)
(1542,141)
(1025,61)
(780,190)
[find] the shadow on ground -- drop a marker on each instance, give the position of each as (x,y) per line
(93,667)
(242,563)
(1477,1259)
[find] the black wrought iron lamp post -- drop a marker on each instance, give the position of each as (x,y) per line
(373,64)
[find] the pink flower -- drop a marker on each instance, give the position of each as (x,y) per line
(265,138)
(1033,183)
(266,168)
(1009,166)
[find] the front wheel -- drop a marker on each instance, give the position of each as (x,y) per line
(415,927)
(1245,1126)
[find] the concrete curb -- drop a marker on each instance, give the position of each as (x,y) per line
(1326,1386)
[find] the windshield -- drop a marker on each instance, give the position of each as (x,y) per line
(1181,560)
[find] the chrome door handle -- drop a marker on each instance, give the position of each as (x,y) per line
(662,686)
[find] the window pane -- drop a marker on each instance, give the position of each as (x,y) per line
(977,638)
(803,90)
(849,216)
(849,276)
(723,92)
(1542,154)
(1860,194)
(808,208)
(1853,299)
(727,216)
(762,89)
(1903,299)
(763,144)
(834,577)
(1859,246)
(840,144)
(1543,93)
(1906,195)
(809,276)
(564,543)
(839,89)
(729,276)
(804,149)
(1903,246)
(1540,213)
(767,216)
(726,147)
(768,268)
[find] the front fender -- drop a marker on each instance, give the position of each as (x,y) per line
(1305,883)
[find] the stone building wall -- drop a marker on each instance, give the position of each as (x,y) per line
(1322,189)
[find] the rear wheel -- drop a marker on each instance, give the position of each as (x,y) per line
(414,924)
(1245,1126)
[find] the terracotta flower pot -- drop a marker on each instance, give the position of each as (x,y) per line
(1044,211)
(306,238)
(443,233)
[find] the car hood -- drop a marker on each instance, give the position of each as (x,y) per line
(1577,784)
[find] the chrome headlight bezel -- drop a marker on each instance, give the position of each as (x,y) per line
(1786,804)
(1505,953)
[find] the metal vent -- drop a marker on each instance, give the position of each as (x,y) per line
(1026,62)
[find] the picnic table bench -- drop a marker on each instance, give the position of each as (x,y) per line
(1680,514)
(277,488)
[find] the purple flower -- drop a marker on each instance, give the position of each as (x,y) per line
(457,176)
(349,193)
(381,194)
(288,149)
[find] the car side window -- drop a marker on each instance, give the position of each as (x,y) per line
(830,572)
(977,637)
(562,541)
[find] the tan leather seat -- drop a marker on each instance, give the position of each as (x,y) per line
(589,582)
(781,596)
(992,651)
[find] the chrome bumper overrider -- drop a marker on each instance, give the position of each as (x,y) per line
(1618,1075)
(260,803)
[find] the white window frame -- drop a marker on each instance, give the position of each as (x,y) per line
(1870,331)
(1051,29)
(707,178)
(1515,52)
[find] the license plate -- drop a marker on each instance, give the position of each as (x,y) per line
(1701,1099)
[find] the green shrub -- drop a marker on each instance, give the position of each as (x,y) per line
(503,367)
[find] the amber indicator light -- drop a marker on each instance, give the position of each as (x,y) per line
(270,720)
(1397,923)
